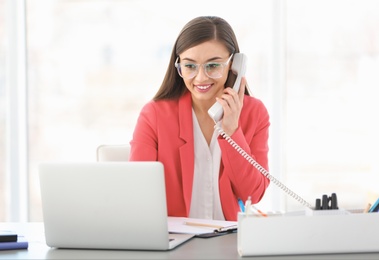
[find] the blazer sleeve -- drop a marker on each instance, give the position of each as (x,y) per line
(252,137)
(144,143)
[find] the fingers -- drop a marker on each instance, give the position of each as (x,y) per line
(232,103)
(229,99)
(233,97)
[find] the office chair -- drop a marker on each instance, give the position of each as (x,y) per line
(112,152)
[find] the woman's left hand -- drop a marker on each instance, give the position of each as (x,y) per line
(232,103)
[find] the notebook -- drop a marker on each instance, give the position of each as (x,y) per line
(106,205)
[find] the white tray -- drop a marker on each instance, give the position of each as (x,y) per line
(307,234)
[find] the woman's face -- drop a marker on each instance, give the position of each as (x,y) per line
(204,88)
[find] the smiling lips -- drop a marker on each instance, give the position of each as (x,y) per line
(203,88)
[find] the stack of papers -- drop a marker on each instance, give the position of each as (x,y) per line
(199,226)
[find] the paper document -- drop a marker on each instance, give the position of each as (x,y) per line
(198,226)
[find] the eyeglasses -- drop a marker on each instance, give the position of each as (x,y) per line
(213,70)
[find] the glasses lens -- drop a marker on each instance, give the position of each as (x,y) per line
(188,70)
(214,70)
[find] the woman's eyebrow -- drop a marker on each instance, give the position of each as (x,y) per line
(210,59)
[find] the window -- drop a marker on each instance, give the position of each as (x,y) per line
(332,59)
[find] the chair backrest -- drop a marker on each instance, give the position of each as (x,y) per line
(112,152)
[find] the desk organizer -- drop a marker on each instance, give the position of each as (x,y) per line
(307,234)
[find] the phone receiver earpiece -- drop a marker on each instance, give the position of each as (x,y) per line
(238,67)
(239,64)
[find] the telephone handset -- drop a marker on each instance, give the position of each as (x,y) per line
(239,68)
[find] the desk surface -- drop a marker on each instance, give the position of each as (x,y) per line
(223,247)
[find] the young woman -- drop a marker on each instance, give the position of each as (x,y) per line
(205,176)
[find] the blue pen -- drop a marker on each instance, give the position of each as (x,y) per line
(242,206)
(375,207)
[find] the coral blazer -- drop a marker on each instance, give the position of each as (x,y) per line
(164,132)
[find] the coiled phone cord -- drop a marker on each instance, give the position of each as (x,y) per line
(260,168)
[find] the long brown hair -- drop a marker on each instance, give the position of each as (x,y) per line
(195,32)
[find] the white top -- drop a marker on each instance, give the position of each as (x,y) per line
(205,202)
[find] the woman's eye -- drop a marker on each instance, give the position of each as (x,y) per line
(190,66)
(211,66)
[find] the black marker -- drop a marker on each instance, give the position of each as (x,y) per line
(334,203)
(325,202)
(318,204)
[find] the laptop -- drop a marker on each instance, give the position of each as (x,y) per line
(106,205)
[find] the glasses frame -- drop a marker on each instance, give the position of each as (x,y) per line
(224,64)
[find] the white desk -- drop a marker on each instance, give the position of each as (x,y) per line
(223,247)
